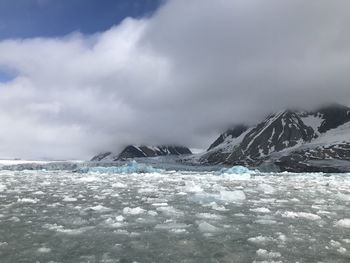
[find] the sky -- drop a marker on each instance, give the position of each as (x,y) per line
(78,77)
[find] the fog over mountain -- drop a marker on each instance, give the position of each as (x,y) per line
(180,76)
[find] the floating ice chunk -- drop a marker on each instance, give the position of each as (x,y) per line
(267,254)
(119,185)
(134,234)
(192,187)
(343,223)
(207,228)
(178,231)
(217,207)
(89,179)
(121,232)
(69,199)
(209,216)
(342,250)
(2,187)
(52,226)
(99,208)
(76,231)
(267,189)
(334,243)
(160,204)
(152,213)
(114,223)
(237,170)
(239,214)
(236,177)
(309,216)
(261,210)
(119,218)
(344,197)
(15,219)
(232,196)
(170,211)
(204,198)
(266,221)
(262,240)
(323,212)
(39,193)
(133,211)
(44,250)
(171,226)
(28,200)
(346,240)
(282,237)
(61,229)
(3,244)
(146,190)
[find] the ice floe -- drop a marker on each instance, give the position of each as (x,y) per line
(160,215)
(343,223)
(133,211)
(232,196)
(207,228)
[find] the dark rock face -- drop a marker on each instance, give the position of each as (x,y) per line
(277,132)
(133,151)
(291,140)
(334,116)
(234,133)
(100,156)
(146,151)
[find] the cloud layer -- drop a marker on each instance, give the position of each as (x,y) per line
(181,76)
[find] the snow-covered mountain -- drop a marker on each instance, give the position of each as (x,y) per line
(133,151)
(289,140)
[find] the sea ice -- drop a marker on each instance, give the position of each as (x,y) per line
(261,240)
(267,254)
(170,211)
(232,196)
(343,223)
(69,199)
(207,228)
(261,210)
(119,185)
(236,170)
(28,200)
(2,187)
(44,250)
(133,211)
(309,216)
(192,187)
(267,189)
(99,208)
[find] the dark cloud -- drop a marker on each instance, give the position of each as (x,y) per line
(181,76)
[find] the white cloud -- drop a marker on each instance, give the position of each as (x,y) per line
(178,77)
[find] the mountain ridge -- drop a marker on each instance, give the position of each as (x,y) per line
(292,140)
(142,151)
(288,140)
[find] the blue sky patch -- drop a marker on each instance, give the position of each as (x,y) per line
(51,18)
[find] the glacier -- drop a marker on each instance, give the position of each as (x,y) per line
(237,169)
(135,212)
(130,167)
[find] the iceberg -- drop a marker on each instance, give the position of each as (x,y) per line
(238,169)
(130,167)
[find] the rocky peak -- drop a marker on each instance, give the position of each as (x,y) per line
(233,132)
(334,115)
(133,151)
